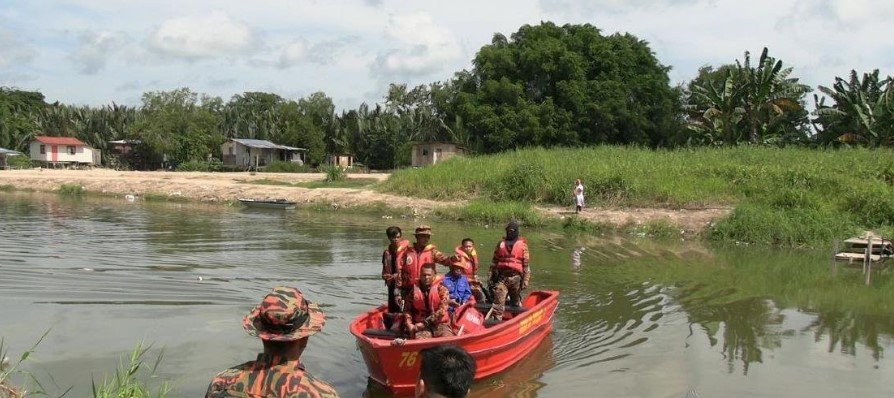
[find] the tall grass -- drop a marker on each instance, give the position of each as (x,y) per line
(789,196)
(127,382)
(483,211)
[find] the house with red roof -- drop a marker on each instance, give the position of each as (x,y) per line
(63,151)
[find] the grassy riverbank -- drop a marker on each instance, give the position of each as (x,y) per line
(781,196)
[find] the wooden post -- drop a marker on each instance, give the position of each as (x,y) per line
(869,263)
(833,267)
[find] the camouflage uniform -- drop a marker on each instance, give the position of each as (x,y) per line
(507,281)
(283,316)
(268,377)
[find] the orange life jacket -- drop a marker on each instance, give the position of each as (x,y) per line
(413,262)
(387,266)
(424,305)
(513,260)
(471,259)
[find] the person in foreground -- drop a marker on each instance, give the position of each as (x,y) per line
(445,371)
(283,322)
(426,314)
(510,272)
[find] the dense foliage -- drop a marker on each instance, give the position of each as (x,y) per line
(742,102)
(544,85)
(564,86)
(862,112)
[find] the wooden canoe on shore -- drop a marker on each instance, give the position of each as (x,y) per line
(495,348)
(269,204)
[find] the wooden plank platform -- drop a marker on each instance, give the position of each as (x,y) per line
(858,257)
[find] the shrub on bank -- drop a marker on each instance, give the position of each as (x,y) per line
(286,167)
(483,211)
(71,189)
(201,165)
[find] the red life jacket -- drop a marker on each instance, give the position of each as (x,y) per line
(470,259)
(387,266)
(424,305)
(513,261)
(413,261)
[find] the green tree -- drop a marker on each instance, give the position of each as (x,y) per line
(17,117)
(863,110)
(554,85)
(175,123)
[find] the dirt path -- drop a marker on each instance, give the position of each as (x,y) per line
(691,221)
(222,187)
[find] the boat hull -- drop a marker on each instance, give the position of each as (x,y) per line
(268,204)
(494,349)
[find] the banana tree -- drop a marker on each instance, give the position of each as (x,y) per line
(863,110)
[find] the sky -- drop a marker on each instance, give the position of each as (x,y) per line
(95,52)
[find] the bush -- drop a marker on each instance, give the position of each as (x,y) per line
(335,173)
(286,167)
(71,189)
(18,162)
(200,165)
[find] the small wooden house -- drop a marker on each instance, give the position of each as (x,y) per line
(63,151)
(428,153)
(343,160)
(6,153)
(246,152)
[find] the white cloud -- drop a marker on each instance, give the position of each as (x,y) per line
(211,36)
(301,51)
(94,49)
(294,53)
(425,47)
(13,50)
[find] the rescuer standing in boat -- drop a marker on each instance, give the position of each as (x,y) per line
(284,321)
(392,258)
(426,314)
(510,271)
(415,258)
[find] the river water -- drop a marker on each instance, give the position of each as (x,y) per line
(636,317)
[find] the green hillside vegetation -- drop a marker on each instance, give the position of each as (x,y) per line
(783,196)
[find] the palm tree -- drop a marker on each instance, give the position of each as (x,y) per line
(863,110)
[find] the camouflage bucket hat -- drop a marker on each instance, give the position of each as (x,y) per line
(284,315)
(458,262)
(423,230)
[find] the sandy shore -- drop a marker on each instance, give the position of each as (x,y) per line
(224,187)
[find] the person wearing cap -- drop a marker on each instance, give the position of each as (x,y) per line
(466,250)
(426,314)
(392,258)
(457,283)
(510,272)
(420,254)
(283,321)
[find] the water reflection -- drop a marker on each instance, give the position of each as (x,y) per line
(636,317)
(844,330)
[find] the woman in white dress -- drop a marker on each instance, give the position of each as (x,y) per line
(578,195)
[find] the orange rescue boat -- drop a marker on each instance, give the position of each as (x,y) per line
(395,364)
